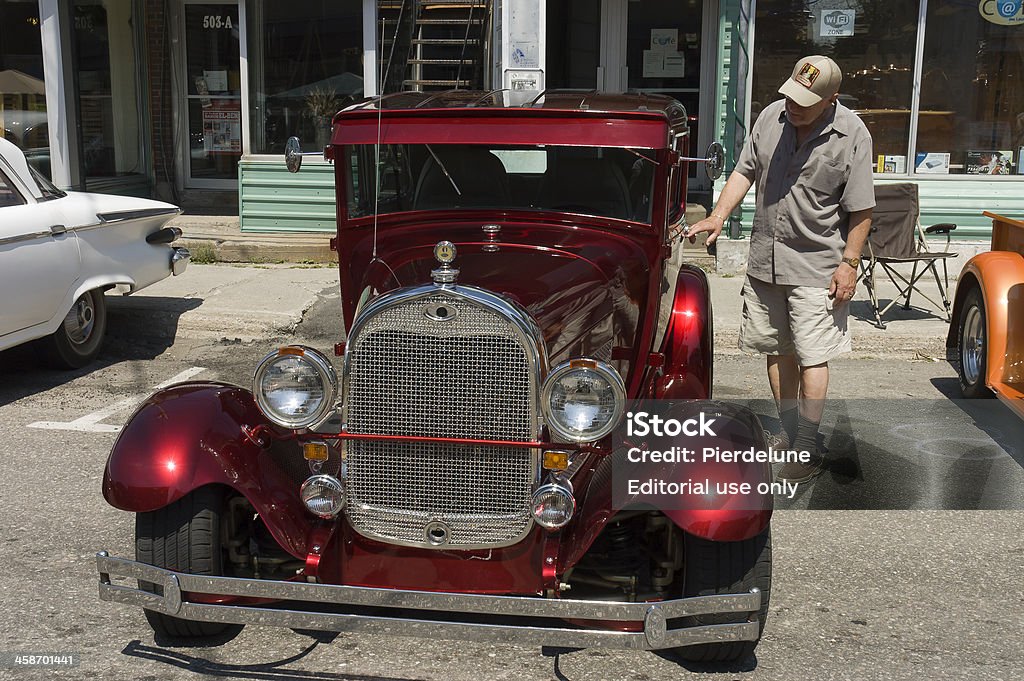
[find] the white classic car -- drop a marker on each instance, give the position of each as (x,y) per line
(61,251)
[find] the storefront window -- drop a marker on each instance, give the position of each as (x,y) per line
(108,90)
(873,41)
(305,64)
(22,95)
(972,92)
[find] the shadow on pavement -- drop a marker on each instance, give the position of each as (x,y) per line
(913,455)
(265,671)
(133,333)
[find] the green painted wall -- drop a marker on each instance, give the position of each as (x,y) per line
(270,199)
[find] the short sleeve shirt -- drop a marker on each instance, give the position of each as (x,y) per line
(804,195)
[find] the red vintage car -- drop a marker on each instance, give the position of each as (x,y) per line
(512,287)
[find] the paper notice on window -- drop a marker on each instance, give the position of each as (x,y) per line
(837,22)
(664,64)
(665,39)
(222,128)
(216,81)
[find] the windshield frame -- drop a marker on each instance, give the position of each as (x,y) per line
(619,183)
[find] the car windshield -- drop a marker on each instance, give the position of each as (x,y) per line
(601,181)
(45,186)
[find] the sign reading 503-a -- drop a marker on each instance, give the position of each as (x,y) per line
(217,21)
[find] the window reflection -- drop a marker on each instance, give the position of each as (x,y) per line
(873,41)
(306,64)
(22,94)
(974,69)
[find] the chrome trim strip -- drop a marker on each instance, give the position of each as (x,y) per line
(654,616)
(106,219)
(24,237)
(124,215)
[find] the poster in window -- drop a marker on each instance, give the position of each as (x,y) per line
(659,64)
(989,162)
(222,128)
(932,163)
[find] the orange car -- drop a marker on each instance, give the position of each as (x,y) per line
(987,332)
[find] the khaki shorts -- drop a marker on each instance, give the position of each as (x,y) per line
(793,320)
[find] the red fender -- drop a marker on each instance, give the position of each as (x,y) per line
(687,346)
(725,519)
(194,434)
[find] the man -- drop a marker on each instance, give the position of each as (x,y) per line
(810,158)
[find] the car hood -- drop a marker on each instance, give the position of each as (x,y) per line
(586,286)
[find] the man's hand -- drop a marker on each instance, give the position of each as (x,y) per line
(844,283)
(712,224)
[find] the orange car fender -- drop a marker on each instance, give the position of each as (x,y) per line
(995,273)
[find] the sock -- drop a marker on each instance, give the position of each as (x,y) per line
(806,436)
(789,419)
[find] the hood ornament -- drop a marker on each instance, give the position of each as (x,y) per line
(445,253)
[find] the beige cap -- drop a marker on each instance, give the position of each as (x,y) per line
(814,79)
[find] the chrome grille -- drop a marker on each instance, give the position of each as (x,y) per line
(468,376)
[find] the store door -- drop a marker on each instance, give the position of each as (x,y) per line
(656,46)
(212,90)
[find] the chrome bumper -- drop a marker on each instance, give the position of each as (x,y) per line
(536,619)
(179,259)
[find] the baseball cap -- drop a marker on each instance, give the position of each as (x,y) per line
(814,78)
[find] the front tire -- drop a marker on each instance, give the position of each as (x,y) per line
(971,346)
(77,341)
(185,537)
(727,568)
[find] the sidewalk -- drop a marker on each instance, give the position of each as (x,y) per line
(918,333)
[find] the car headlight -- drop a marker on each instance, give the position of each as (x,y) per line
(323,495)
(295,386)
(583,400)
(553,505)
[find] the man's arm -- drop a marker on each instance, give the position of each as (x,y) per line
(736,187)
(844,279)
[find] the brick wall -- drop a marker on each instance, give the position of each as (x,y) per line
(158,57)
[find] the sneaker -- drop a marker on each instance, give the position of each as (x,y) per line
(801,472)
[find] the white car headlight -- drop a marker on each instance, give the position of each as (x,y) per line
(583,400)
(295,387)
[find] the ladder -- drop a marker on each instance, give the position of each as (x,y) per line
(431,45)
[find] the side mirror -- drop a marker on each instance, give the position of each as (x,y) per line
(715,160)
(293,154)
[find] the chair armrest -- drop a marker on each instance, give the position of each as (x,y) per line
(941,228)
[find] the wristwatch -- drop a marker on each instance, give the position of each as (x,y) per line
(852,262)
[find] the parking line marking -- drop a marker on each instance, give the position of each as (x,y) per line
(90,423)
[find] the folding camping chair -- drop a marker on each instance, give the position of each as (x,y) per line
(897,237)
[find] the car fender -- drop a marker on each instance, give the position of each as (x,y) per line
(687,346)
(729,519)
(1000,277)
(196,434)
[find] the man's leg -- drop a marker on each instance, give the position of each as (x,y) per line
(813,388)
(820,333)
(784,378)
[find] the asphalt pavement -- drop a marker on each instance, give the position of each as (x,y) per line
(890,576)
